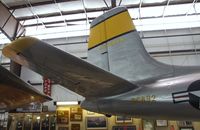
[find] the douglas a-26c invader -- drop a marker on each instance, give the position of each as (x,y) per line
(121,78)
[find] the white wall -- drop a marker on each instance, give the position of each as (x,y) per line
(59,93)
(172,40)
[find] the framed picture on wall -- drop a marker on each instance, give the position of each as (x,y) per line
(124,127)
(185,123)
(161,123)
(76,114)
(148,124)
(123,119)
(62,117)
(97,122)
(63,128)
(186,128)
(75,127)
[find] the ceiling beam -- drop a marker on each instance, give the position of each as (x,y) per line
(38,4)
(120,2)
(106,3)
(63,13)
(57,22)
(105,8)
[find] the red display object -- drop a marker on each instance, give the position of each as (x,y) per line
(47,86)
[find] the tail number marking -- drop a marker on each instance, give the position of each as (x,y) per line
(149,98)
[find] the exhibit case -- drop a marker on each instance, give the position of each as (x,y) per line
(32,121)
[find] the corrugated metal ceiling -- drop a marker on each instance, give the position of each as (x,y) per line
(43,18)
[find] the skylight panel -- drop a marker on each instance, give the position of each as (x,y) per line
(153,1)
(152,11)
(55,18)
(62,34)
(70,6)
(45,9)
(167,23)
(129,2)
(91,4)
(49,19)
(172,9)
(56,25)
(31,21)
(75,16)
(41,30)
(3,39)
(83,22)
(94,14)
(191,10)
(197,7)
(22,12)
(134,13)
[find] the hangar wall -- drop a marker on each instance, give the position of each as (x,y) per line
(177,47)
(58,93)
(139,124)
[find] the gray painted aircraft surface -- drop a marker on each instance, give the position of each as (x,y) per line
(120,78)
(16,93)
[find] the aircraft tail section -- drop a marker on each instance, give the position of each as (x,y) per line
(115,45)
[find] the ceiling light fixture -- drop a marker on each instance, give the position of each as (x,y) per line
(67,103)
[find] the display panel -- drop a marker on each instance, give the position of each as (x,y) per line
(123,119)
(75,127)
(161,123)
(98,122)
(185,123)
(148,124)
(186,128)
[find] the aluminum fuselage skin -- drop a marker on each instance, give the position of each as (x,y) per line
(154,99)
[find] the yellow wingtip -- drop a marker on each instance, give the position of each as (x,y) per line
(18,46)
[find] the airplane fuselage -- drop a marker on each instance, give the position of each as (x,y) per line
(174,97)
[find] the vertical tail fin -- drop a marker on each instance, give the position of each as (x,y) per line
(115,46)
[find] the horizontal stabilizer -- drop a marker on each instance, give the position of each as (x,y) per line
(65,69)
(16,93)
